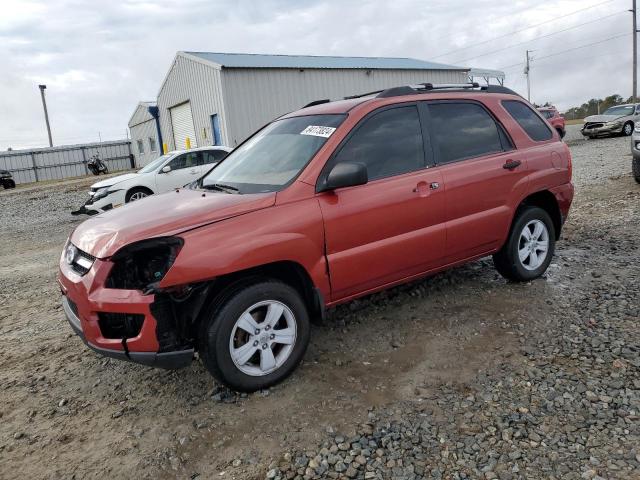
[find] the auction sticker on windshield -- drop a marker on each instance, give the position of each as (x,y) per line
(318,131)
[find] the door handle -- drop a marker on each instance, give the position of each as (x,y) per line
(421,188)
(511,164)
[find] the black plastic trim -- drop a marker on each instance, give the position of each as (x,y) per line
(317,102)
(166,360)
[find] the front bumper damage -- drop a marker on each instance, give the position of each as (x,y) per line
(167,360)
(86,301)
(598,128)
(94,207)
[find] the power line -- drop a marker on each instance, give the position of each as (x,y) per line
(584,46)
(475,44)
(456,34)
(568,50)
(590,57)
(541,37)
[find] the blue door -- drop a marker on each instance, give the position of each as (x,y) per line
(215,128)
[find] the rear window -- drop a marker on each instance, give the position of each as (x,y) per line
(528,120)
(464,130)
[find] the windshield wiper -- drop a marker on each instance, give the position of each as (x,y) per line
(221,187)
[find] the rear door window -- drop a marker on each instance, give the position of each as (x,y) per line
(186,160)
(465,130)
(389,143)
(528,120)
(212,156)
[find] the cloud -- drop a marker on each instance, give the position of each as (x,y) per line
(100,58)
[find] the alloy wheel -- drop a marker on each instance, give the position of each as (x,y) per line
(263,338)
(137,196)
(533,244)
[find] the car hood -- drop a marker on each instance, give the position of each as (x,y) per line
(603,118)
(161,215)
(113,180)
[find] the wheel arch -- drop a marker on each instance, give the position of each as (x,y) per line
(547,201)
(287,271)
(137,187)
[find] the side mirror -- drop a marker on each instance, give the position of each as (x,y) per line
(346,174)
(166,169)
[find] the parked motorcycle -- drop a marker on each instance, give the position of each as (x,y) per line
(97,166)
(6,179)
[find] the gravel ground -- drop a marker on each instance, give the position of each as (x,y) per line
(461,375)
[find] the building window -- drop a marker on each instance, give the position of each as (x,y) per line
(140,147)
(152,144)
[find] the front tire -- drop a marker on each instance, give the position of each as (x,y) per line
(8,183)
(627,130)
(137,193)
(635,168)
(254,335)
(529,248)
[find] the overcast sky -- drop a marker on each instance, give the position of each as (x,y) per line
(99,58)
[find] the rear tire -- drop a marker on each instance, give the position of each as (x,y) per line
(529,248)
(635,168)
(254,335)
(137,193)
(8,183)
(561,132)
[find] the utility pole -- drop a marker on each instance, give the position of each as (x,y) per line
(635,52)
(46,115)
(526,72)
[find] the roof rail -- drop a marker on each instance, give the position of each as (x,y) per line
(498,89)
(423,88)
(317,102)
(430,87)
(351,97)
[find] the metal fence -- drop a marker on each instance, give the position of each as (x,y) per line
(54,163)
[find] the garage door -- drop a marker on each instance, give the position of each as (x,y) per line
(182,123)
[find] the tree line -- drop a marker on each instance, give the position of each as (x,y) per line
(596,106)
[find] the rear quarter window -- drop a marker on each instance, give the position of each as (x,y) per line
(528,120)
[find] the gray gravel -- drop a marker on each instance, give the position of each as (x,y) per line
(462,375)
(565,406)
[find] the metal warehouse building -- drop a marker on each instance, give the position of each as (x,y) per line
(221,98)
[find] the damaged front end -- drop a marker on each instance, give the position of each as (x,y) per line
(119,310)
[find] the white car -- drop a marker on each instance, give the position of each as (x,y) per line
(172,170)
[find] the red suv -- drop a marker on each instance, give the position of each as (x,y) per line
(554,118)
(323,205)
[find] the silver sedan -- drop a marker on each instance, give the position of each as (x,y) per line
(619,119)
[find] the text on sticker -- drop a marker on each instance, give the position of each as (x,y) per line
(318,131)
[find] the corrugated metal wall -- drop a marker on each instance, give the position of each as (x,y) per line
(62,162)
(143,131)
(254,97)
(194,81)
(141,114)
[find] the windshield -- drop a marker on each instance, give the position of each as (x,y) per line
(623,110)
(150,167)
(274,156)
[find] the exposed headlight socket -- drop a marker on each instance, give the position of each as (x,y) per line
(142,265)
